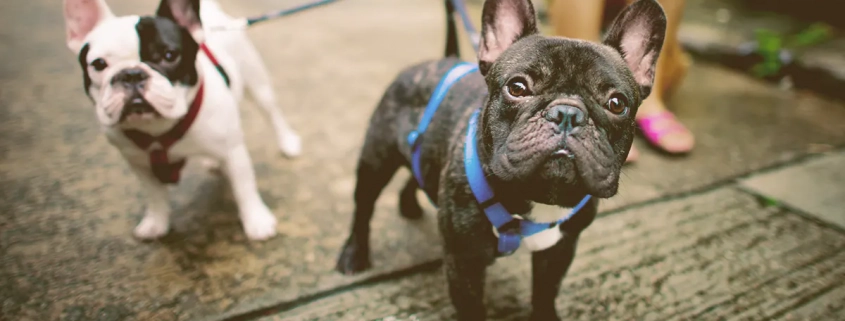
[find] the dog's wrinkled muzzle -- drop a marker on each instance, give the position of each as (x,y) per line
(568,121)
(137,92)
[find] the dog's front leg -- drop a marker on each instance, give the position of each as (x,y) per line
(258,221)
(156,221)
(465,278)
(549,266)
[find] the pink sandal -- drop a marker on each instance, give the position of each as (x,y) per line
(654,127)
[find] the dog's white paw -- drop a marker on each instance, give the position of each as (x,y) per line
(152,227)
(290,144)
(259,223)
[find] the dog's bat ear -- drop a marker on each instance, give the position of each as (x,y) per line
(186,13)
(503,22)
(637,34)
(81,16)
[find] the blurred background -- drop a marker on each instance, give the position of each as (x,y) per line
(748,225)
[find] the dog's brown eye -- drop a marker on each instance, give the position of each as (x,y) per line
(171,56)
(99,64)
(617,104)
(518,88)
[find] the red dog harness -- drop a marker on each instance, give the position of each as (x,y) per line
(164,170)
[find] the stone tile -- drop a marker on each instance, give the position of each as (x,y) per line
(715,256)
(828,306)
(816,187)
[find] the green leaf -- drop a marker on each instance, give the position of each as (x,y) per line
(812,35)
(768,42)
(769,202)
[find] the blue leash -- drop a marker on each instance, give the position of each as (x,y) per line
(510,234)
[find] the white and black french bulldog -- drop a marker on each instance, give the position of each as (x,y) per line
(166,90)
(544,120)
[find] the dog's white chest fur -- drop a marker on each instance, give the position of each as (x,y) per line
(543,240)
(540,241)
(548,237)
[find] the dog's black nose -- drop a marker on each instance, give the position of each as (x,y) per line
(130,76)
(566,117)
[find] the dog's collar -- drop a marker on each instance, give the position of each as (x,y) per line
(165,171)
(511,228)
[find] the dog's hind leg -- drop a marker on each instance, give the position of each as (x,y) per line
(465,281)
(260,85)
(409,206)
(258,221)
(379,160)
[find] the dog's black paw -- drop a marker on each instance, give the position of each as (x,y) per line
(354,258)
(544,317)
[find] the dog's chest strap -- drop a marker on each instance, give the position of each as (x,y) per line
(165,171)
(415,137)
(511,229)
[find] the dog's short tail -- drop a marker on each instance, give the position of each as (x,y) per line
(452,49)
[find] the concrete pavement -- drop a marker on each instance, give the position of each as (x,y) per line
(717,255)
(680,242)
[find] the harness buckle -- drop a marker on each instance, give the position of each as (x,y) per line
(509,235)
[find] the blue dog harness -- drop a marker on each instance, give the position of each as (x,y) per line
(510,234)
(414,138)
(511,228)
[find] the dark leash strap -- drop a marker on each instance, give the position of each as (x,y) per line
(249,21)
(287,12)
(473,34)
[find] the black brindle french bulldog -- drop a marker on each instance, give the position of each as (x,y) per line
(556,123)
